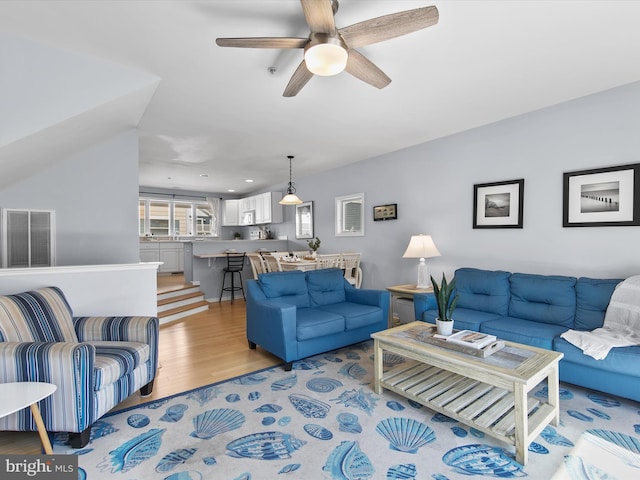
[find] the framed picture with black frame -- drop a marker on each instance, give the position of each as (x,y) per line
(602,197)
(385,212)
(498,204)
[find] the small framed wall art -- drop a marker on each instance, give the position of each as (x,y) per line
(498,204)
(602,197)
(385,212)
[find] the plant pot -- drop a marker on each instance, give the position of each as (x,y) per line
(444,328)
(314,254)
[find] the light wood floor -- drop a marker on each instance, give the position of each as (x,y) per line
(203,349)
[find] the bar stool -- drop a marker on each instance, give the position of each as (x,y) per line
(235,264)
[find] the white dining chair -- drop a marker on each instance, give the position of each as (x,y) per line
(350,263)
(272,262)
(329,260)
(257,264)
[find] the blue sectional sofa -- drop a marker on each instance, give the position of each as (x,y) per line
(536,310)
(297,314)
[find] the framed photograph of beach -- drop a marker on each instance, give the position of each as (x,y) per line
(498,204)
(603,197)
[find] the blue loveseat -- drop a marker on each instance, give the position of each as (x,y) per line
(297,314)
(536,310)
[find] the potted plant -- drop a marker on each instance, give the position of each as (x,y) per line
(314,245)
(446,302)
(237,235)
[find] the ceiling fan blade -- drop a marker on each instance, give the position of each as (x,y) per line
(360,67)
(298,80)
(388,26)
(263,42)
(319,16)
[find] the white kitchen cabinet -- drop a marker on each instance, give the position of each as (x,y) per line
(231,213)
(268,210)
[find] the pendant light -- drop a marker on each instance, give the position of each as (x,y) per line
(290,198)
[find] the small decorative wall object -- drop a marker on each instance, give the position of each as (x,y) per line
(498,204)
(385,212)
(603,197)
(304,220)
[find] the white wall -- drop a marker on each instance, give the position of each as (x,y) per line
(432,184)
(95,196)
(100,290)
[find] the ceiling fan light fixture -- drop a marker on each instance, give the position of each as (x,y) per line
(290,198)
(325,55)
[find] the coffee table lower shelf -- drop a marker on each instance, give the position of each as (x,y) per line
(484,407)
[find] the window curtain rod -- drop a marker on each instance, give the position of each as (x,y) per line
(173,196)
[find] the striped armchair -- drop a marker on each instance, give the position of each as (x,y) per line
(96,362)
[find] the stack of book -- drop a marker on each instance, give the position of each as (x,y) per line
(471,339)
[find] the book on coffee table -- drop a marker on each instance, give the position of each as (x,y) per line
(471,339)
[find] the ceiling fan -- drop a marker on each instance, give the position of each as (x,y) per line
(329,50)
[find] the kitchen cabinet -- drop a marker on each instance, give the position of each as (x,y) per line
(231,213)
(268,210)
(263,208)
(171,254)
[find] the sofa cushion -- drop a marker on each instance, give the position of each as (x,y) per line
(483,290)
(325,286)
(528,332)
(592,300)
(114,360)
(543,298)
(313,323)
(356,315)
(288,287)
(463,318)
(623,360)
(38,316)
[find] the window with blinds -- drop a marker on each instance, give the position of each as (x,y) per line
(27,238)
(350,215)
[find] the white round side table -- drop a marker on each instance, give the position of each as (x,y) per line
(19,395)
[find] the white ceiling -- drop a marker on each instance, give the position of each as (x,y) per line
(218,111)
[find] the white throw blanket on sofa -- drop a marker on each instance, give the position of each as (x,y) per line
(621,326)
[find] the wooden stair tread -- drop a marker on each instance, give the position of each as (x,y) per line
(175,289)
(179,298)
(184,308)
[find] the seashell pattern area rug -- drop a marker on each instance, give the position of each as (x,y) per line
(323,420)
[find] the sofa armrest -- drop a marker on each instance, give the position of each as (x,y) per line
(121,329)
(423,302)
(272,325)
(377,298)
(69,366)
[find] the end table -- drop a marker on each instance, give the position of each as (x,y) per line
(404,291)
(19,395)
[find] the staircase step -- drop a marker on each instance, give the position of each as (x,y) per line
(179,291)
(183,311)
(174,302)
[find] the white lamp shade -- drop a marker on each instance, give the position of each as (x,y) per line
(290,199)
(326,59)
(421,246)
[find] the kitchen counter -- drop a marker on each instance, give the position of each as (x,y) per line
(203,263)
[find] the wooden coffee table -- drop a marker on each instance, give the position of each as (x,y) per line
(489,394)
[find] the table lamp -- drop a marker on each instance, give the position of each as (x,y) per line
(421,246)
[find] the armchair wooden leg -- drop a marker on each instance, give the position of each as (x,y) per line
(252,346)
(79,440)
(287,366)
(147,389)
